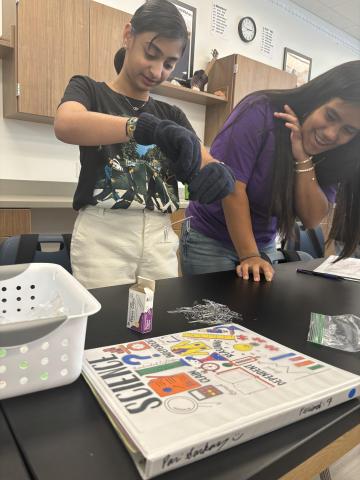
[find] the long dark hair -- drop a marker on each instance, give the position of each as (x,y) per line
(340,166)
(160,16)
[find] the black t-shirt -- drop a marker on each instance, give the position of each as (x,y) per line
(123,175)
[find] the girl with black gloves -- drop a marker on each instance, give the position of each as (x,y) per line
(133,150)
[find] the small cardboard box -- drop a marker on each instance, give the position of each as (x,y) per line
(140,305)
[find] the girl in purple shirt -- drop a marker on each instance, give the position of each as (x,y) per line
(292,151)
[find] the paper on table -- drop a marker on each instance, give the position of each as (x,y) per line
(347,268)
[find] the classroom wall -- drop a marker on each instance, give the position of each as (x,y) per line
(30,151)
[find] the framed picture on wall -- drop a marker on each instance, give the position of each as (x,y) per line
(185,66)
(298,64)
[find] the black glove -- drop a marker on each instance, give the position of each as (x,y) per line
(213,182)
(181,146)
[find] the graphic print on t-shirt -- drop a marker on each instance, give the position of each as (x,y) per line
(135,176)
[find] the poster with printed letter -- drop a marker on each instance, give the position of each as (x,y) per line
(179,398)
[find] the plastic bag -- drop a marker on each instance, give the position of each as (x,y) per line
(335,331)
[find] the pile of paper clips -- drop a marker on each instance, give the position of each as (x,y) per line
(210,313)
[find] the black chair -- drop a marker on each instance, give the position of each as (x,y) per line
(41,248)
(310,240)
(284,256)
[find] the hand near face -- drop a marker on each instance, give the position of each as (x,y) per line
(293,124)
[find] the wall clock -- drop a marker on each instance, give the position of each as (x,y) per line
(247,29)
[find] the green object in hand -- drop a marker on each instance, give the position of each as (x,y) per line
(186,192)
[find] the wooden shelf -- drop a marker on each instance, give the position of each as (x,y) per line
(5,47)
(167,89)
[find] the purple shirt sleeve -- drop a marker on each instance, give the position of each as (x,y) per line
(239,142)
(330,192)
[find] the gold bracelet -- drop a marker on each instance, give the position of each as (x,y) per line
(304,169)
(304,161)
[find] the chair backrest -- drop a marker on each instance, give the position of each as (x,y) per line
(284,256)
(310,240)
(41,248)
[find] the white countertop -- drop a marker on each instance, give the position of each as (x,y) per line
(31,194)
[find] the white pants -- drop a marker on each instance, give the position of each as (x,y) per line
(112,247)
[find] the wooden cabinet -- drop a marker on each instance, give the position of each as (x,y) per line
(51,45)
(237,76)
(56,39)
(14,221)
(106,30)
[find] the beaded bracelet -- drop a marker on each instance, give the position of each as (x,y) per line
(304,161)
(249,256)
(304,169)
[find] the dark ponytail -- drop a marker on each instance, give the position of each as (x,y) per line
(119,59)
(160,16)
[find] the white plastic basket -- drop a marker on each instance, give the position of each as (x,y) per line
(41,353)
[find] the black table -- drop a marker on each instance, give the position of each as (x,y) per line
(63,433)
(11,463)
